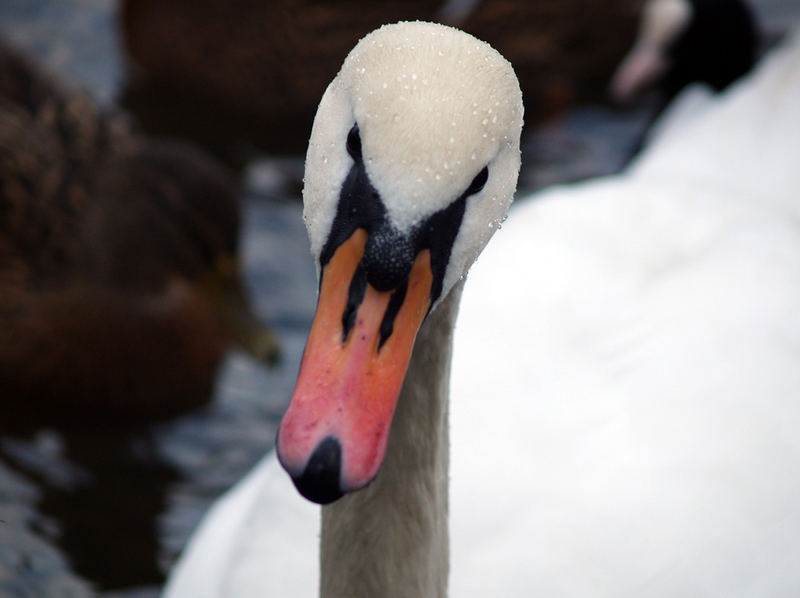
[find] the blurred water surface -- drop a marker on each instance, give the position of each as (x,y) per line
(94,509)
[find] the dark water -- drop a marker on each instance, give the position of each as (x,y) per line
(103,510)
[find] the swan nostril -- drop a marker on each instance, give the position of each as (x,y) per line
(319,481)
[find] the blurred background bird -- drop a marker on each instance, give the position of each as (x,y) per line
(259,94)
(119,281)
(286,52)
(684,42)
(680,42)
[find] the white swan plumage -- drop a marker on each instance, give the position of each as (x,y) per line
(624,384)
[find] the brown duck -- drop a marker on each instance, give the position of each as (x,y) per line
(119,285)
(269,62)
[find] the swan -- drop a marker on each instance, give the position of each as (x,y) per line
(625,368)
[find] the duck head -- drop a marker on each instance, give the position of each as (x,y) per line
(685,41)
(411,167)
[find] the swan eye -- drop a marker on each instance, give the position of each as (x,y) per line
(354,143)
(478,182)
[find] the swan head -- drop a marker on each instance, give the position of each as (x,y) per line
(411,166)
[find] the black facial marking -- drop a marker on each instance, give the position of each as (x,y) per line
(476,186)
(358,286)
(354,143)
(389,254)
(359,207)
(438,234)
(388,257)
(319,481)
(395,303)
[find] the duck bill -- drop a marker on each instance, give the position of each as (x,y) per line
(333,437)
(245,328)
(640,69)
(223,285)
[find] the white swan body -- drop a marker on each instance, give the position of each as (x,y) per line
(624,389)
(645,384)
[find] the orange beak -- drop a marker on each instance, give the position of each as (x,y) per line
(333,437)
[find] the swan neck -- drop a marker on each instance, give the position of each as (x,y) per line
(391,539)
